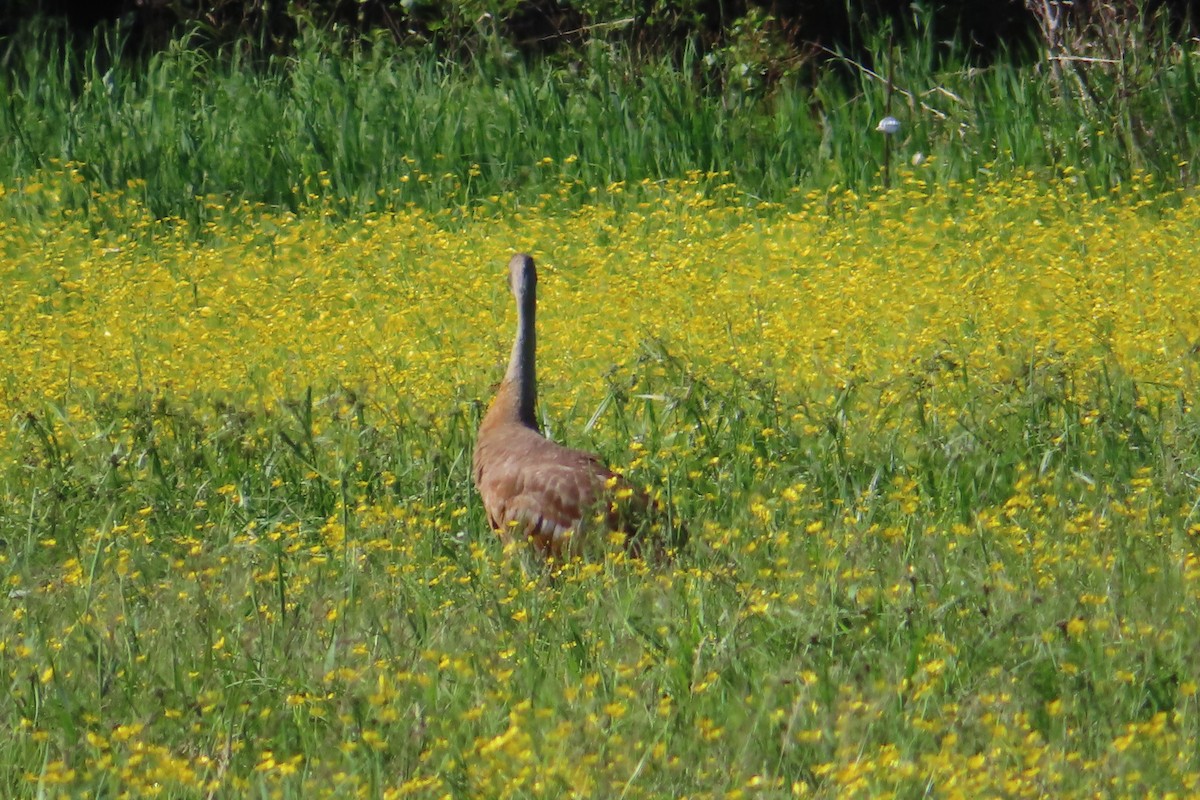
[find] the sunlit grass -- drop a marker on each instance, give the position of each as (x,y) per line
(370,125)
(936,448)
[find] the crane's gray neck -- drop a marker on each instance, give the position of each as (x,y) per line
(521,373)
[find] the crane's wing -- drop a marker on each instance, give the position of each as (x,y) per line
(553,495)
(545,499)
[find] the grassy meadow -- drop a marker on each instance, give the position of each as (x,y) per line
(937,448)
(936,443)
(367,126)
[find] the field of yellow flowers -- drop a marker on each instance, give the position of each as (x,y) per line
(937,448)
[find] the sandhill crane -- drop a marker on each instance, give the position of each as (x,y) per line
(536,489)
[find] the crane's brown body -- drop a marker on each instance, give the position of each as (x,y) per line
(533,488)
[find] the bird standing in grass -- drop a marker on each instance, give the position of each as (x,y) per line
(536,489)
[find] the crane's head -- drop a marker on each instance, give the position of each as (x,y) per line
(522,277)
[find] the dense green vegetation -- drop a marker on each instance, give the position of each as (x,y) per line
(358,124)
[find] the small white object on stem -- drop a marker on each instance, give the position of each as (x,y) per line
(888,125)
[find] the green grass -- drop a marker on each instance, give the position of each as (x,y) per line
(228,588)
(374,126)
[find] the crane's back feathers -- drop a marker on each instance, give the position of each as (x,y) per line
(554,496)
